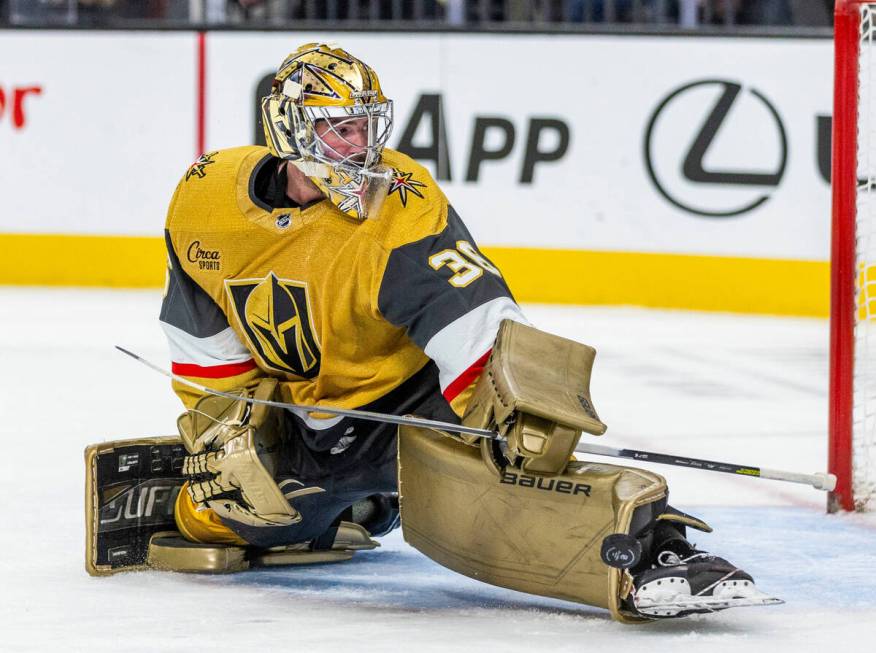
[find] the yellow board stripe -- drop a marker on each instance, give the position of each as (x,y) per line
(704,283)
(65,260)
(708,283)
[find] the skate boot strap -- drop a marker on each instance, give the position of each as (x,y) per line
(674,516)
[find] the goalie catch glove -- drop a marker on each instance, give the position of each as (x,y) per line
(232,446)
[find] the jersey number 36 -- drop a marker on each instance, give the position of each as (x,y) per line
(465,261)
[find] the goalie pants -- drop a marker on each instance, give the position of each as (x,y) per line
(350,461)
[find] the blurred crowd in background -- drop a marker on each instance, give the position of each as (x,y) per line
(434,13)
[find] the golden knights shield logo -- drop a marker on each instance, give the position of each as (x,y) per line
(275,316)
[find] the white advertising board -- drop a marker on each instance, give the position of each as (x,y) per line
(675,145)
(637,144)
(102,125)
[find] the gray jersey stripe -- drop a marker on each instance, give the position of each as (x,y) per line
(186,305)
(422,299)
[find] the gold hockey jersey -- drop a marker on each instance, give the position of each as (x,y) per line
(344,312)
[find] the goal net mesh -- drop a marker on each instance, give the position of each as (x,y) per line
(864,400)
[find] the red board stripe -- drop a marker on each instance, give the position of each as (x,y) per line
(213,371)
(466,378)
(201,95)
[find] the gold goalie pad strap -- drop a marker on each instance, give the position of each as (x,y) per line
(535,390)
(170,551)
(535,534)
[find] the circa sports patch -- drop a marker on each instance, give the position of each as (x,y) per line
(275,317)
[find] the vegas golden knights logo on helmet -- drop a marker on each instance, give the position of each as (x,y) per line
(275,316)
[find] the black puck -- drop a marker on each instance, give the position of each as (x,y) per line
(621,551)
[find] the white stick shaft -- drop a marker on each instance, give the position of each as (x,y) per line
(819,481)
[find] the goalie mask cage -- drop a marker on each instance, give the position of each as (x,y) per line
(852,451)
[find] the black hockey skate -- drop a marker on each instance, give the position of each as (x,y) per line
(682,581)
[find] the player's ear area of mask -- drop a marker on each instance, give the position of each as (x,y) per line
(278,126)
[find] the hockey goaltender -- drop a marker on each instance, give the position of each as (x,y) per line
(326,269)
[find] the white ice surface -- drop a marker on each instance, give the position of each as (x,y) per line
(748,390)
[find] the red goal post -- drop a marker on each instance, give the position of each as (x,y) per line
(852,424)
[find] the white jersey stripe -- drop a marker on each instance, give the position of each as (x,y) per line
(316,423)
(220,349)
(462,342)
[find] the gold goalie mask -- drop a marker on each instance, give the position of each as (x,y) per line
(327,116)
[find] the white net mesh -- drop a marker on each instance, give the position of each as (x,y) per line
(864,412)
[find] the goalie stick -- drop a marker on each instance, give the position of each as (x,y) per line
(819,481)
(401,420)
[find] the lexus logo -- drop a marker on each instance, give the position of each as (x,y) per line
(716,149)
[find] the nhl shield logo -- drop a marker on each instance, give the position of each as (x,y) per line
(275,316)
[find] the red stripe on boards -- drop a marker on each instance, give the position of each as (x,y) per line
(466,378)
(213,371)
(201,95)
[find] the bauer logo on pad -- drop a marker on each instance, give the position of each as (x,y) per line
(274,314)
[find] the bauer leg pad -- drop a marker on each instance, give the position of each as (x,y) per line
(537,534)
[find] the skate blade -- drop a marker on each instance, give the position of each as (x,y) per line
(705,604)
